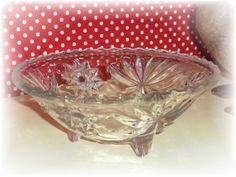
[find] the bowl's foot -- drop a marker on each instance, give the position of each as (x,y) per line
(72,136)
(142,145)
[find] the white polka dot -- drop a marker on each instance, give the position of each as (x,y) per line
(11,23)
(179,16)
(36,7)
(12,36)
(74,44)
(17,15)
(31,41)
(84,30)
(101,11)
(122,33)
(13,50)
(20,56)
(13,63)
(142,32)
(23,8)
(19,42)
(85,43)
(67,25)
(42,14)
(49,20)
(112,34)
(117,40)
(37,34)
(7,57)
(26,48)
(122,22)
(136,38)
(18,29)
(117,16)
(45,52)
(55,26)
(43,27)
(50,33)
(79,37)
(101,35)
(95,17)
(67,12)
(55,13)
(160,41)
(161,30)
(62,32)
(131,33)
(50,46)
(32,54)
(137,15)
(106,16)
(84,18)
(156,36)
(8,70)
(36,20)
(31,28)
(62,45)
(56,39)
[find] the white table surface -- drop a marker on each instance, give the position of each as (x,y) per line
(199,143)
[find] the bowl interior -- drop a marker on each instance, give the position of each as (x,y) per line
(111,73)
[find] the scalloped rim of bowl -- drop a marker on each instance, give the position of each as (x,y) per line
(46,94)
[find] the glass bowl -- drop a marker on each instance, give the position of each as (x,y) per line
(117,96)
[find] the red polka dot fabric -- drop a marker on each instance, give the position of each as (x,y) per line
(33,29)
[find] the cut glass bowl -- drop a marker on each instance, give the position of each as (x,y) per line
(117,96)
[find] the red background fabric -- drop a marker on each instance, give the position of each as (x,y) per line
(33,29)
